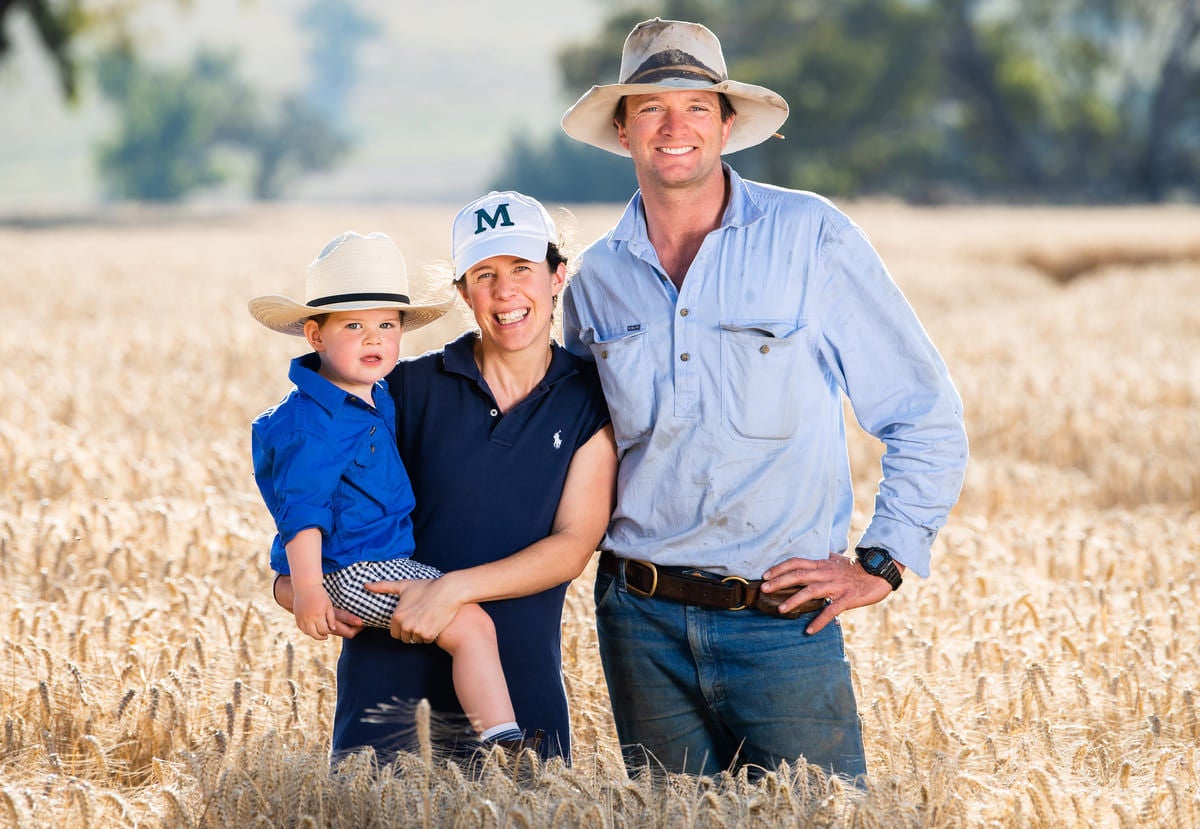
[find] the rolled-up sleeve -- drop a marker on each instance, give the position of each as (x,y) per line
(299,472)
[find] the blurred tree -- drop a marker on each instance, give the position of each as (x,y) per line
(56,25)
(338,28)
(169,123)
(172,122)
(1171,150)
(1064,100)
(293,140)
(1082,99)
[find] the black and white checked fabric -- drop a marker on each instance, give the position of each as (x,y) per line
(345,587)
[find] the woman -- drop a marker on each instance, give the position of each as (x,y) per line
(505,436)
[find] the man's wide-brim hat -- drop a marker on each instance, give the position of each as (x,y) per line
(673,55)
(352,273)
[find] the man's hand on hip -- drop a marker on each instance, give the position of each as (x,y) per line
(838,578)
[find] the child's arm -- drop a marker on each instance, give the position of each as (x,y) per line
(312,607)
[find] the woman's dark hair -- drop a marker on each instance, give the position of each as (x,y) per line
(554,256)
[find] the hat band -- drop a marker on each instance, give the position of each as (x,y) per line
(672,63)
(362,297)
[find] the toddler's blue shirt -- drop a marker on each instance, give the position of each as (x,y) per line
(323,458)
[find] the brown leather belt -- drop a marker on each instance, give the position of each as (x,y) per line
(681,584)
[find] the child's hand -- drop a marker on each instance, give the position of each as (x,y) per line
(314,611)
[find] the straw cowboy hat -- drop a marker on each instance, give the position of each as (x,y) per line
(352,273)
(672,55)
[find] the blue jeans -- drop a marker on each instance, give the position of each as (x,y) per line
(699,691)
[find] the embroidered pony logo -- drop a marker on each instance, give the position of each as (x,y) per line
(558,439)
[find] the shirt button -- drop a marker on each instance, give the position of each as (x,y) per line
(764,349)
(372,448)
(683,312)
(685,356)
(495,412)
(372,431)
(603,355)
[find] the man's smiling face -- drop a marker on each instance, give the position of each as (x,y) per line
(675,138)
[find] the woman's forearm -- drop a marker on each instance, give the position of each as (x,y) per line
(584,509)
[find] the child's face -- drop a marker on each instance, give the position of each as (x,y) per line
(357,348)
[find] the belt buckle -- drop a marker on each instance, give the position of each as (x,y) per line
(642,594)
(742,606)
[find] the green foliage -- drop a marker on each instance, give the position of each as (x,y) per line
(294,141)
(57,24)
(173,122)
(170,121)
(1062,100)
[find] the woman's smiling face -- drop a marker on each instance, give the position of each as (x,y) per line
(513,300)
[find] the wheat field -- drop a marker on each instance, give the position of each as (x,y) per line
(1046,675)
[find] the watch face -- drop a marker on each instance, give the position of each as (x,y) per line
(875,559)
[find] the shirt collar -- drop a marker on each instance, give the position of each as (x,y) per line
(303,373)
(741,211)
(458,357)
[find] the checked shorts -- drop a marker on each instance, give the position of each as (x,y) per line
(345,587)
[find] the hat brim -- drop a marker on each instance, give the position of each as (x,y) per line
(285,315)
(760,112)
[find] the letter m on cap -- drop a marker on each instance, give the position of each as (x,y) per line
(481,216)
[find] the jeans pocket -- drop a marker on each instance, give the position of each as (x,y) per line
(602,592)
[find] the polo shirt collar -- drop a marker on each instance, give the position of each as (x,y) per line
(741,211)
(458,357)
(303,374)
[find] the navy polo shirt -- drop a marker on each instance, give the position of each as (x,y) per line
(487,485)
(323,458)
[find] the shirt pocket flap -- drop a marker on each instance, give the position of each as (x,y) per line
(776,329)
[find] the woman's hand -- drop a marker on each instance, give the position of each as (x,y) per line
(423,608)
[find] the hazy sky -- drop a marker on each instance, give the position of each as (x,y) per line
(442,88)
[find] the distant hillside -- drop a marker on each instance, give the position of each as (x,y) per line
(442,89)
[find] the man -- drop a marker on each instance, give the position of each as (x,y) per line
(726,319)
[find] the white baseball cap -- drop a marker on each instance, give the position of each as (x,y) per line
(502,223)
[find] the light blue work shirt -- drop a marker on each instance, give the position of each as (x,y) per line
(726,395)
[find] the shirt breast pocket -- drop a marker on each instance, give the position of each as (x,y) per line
(367,477)
(760,377)
(628,381)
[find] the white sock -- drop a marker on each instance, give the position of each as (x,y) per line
(503,731)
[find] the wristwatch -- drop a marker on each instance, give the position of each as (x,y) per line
(879,562)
